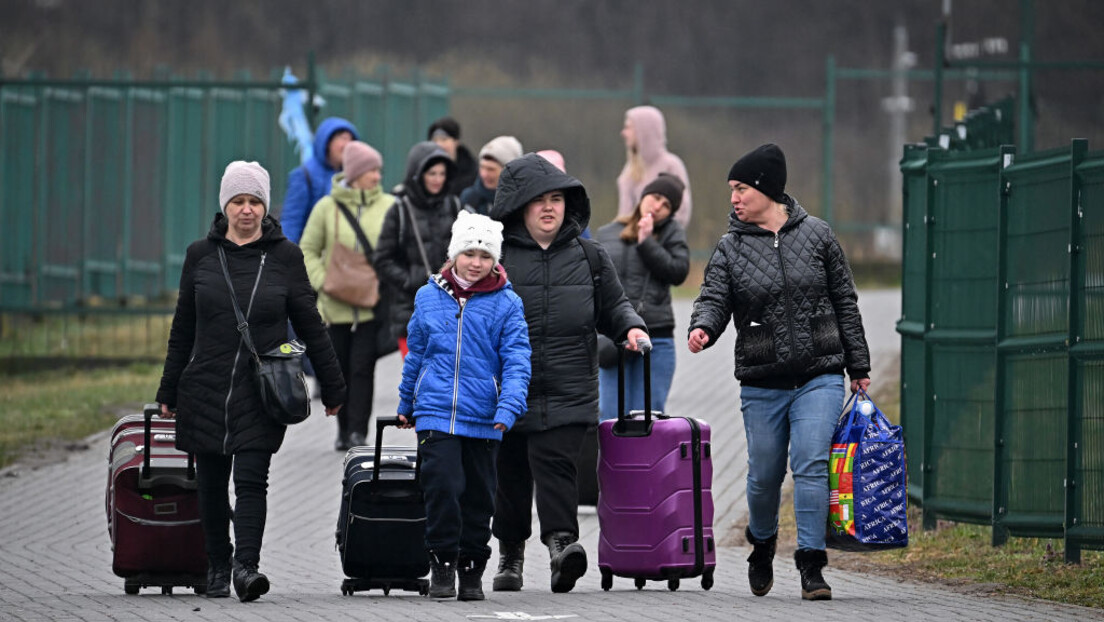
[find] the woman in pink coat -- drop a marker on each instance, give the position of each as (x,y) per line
(646,156)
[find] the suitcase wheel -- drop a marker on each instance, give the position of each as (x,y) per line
(707,579)
(672,584)
(640,582)
(131,587)
(166,590)
(607,579)
(386,589)
(423,587)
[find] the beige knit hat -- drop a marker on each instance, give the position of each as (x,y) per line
(358,159)
(502,149)
(243,177)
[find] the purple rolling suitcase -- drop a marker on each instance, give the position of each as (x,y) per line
(655,502)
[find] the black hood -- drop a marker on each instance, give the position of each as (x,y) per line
(271,232)
(530,176)
(422,156)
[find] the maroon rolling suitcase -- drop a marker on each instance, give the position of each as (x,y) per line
(153,507)
(655,500)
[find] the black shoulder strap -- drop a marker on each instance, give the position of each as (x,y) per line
(591,254)
(363,239)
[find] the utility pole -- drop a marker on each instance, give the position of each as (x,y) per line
(897,105)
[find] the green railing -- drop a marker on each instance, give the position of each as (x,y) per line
(103,183)
(1002,348)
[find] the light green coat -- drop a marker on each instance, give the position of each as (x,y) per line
(369,206)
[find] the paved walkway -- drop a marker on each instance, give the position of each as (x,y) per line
(55,556)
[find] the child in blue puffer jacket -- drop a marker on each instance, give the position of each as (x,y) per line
(464,383)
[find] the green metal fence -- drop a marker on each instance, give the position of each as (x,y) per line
(1002,339)
(104,183)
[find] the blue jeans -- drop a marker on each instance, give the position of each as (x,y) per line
(663,371)
(803,419)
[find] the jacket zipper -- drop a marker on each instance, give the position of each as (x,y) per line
(544,331)
(786,302)
(237,357)
(456,365)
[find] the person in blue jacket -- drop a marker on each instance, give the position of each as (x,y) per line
(308,183)
(464,383)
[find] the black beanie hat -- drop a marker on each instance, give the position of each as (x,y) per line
(764,169)
(669,186)
(447,125)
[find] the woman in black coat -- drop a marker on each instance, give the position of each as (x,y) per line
(781,277)
(208,381)
(414,240)
(649,249)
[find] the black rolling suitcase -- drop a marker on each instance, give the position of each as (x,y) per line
(381,525)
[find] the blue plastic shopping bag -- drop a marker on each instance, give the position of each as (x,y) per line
(867,481)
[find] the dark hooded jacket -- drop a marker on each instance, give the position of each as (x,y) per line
(558,289)
(648,269)
(398,259)
(791,298)
(208,378)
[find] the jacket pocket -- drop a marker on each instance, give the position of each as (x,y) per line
(825,333)
(757,345)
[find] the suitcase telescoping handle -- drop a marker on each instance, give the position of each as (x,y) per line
(150,410)
(381,423)
(626,426)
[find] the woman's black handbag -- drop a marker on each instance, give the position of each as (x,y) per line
(278,372)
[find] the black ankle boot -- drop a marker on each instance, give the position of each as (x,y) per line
(249,583)
(511,563)
(442,579)
(569,561)
(809,563)
(761,563)
(218,580)
(470,572)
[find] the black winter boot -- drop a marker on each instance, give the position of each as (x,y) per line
(442,579)
(218,580)
(809,563)
(761,563)
(511,564)
(569,561)
(470,572)
(249,583)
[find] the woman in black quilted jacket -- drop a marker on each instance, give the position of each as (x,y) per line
(782,278)
(208,382)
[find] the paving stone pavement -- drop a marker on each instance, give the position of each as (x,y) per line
(55,558)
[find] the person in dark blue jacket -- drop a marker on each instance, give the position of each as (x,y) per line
(464,383)
(308,183)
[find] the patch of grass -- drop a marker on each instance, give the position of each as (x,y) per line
(49,410)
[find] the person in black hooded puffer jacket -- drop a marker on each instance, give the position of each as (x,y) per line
(208,383)
(544,210)
(782,278)
(421,219)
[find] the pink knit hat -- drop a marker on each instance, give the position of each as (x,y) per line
(359,158)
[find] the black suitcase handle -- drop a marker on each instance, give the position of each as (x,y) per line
(149,410)
(628,426)
(381,423)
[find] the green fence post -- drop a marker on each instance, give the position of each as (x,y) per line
(828,138)
(999,533)
(123,290)
(638,84)
(937,98)
(927,517)
(1072,545)
(1027,121)
(312,88)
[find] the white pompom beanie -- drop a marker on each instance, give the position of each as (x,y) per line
(243,177)
(476,231)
